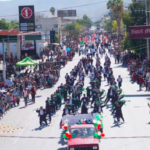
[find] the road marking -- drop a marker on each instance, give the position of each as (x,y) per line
(20,134)
(23,130)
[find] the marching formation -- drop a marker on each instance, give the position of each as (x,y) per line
(78,97)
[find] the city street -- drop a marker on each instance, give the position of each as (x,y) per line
(25,121)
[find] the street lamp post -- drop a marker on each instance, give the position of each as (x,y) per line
(147,40)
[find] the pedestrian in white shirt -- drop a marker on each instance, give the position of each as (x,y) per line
(119,80)
(25,96)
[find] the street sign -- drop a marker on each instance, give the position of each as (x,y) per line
(26,18)
(33,37)
(26,13)
(66,13)
(137,32)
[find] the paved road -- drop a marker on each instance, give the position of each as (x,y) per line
(26,123)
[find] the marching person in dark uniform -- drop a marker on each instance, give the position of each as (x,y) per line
(88,92)
(98,106)
(48,108)
(52,101)
(119,114)
(84,99)
(110,94)
(94,94)
(58,100)
(84,109)
(42,115)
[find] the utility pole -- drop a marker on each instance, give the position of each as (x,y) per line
(4,62)
(147,40)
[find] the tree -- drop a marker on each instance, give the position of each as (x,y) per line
(98,22)
(85,17)
(73,29)
(117,8)
(57,37)
(114,25)
(136,16)
(86,21)
(108,25)
(4,25)
(52,10)
(126,18)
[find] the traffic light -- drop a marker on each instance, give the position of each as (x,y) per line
(52,36)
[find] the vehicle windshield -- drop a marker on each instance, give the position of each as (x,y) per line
(82,132)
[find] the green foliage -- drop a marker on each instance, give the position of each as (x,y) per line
(117,8)
(98,22)
(136,16)
(126,18)
(73,29)
(86,21)
(52,10)
(114,25)
(6,25)
(108,25)
(57,38)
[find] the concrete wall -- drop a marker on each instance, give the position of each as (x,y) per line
(40,46)
(12,47)
(47,24)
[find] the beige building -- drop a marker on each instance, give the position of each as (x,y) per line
(45,25)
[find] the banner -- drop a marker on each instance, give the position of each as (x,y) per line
(74,119)
(139,32)
(28,45)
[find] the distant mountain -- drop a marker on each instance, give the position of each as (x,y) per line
(93,11)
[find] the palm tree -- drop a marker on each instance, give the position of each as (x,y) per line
(117,7)
(52,10)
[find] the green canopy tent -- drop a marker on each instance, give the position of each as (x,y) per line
(26,62)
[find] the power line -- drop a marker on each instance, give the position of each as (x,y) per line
(58,9)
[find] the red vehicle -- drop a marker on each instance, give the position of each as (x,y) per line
(82,138)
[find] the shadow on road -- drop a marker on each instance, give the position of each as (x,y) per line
(148,123)
(117,124)
(22,107)
(138,95)
(120,66)
(40,128)
(64,148)
(38,96)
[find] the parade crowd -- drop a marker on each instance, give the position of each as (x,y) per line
(139,69)
(78,98)
(44,75)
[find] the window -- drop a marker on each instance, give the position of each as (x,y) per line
(55,25)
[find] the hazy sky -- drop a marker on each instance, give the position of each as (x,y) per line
(10,7)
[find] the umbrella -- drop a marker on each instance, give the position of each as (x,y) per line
(26,62)
(68,49)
